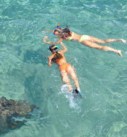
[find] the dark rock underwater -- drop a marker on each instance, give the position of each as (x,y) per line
(13,114)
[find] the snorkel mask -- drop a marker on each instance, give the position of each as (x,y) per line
(53,48)
(58,29)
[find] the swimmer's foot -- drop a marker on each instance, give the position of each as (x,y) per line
(119,52)
(123,40)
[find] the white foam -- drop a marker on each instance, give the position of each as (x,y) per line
(69,96)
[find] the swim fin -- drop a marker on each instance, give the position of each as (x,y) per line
(76,92)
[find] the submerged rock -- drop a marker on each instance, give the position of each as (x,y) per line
(13,114)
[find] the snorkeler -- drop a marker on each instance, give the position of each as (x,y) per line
(90,41)
(65,68)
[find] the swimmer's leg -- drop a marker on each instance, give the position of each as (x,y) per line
(104,48)
(72,73)
(66,80)
(97,40)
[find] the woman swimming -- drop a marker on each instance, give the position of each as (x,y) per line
(90,41)
(65,68)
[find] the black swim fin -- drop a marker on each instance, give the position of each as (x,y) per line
(76,92)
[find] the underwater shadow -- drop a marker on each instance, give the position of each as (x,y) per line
(35,57)
(14,114)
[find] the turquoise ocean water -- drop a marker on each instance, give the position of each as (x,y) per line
(24,73)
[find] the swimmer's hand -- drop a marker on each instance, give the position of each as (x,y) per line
(45,39)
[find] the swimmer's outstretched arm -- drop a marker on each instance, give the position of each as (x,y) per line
(59,41)
(64,48)
(47,41)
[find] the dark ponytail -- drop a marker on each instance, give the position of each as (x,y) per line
(56,57)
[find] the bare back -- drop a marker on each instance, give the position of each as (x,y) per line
(75,36)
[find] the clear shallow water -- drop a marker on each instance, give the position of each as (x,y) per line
(103,76)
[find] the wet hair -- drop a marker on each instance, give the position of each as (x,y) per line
(53,47)
(56,57)
(64,32)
